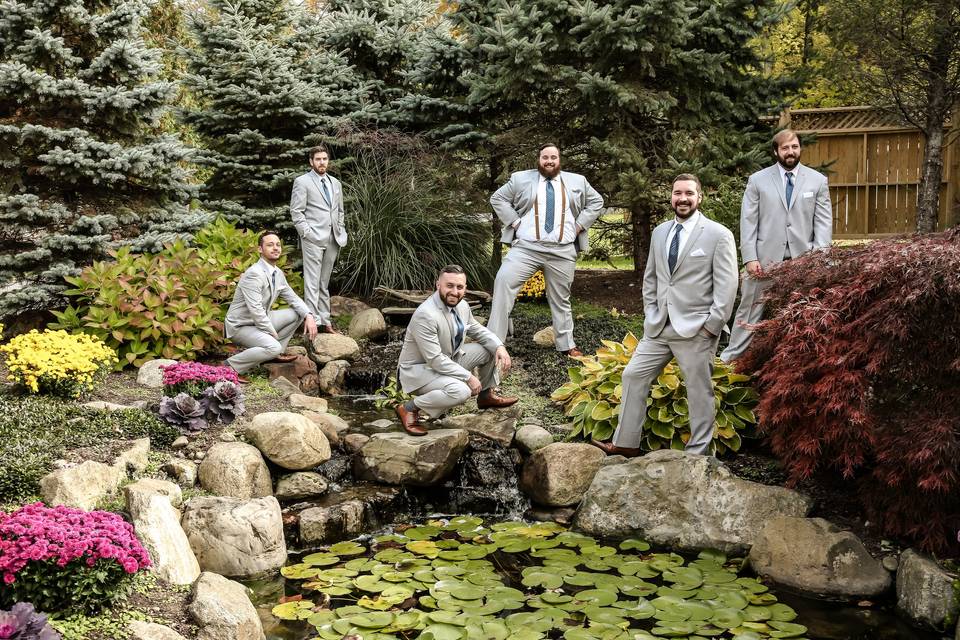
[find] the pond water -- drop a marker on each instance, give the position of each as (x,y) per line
(460,577)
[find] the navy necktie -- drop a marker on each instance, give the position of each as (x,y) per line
(551,201)
(789,187)
(459,336)
(326,191)
(674,247)
(273,286)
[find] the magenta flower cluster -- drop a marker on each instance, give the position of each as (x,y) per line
(37,533)
(186,372)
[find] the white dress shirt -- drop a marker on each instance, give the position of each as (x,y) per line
(688,226)
(527,229)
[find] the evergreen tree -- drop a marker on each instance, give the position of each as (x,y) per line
(267,90)
(83,164)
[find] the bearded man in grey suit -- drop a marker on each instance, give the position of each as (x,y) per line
(689,287)
(437,365)
(786,212)
(545,214)
(250,320)
(316,207)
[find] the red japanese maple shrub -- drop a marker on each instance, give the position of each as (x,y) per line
(858,369)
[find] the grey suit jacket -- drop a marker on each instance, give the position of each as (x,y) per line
(255,296)
(515,199)
(768,229)
(316,219)
(428,344)
(703,287)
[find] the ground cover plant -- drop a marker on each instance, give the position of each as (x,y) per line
(35,431)
(858,368)
(460,578)
(592,398)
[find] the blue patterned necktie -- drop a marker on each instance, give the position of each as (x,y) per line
(459,336)
(674,248)
(326,191)
(551,201)
(789,188)
(273,286)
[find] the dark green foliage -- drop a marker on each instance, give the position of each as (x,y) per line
(35,431)
(266,89)
(83,162)
(403,229)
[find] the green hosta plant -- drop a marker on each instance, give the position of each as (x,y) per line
(391,394)
(592,398)
(169,304)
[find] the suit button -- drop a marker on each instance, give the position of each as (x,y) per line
(788,225)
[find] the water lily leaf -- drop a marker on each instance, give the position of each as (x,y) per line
(753,613)
(732,599)
(422,533)
(426,548)
(347,549)
(751,585)
(321,559)
(295,610)
(552,597)
(763,598)
(746,634)
(448,617)
(438,631)
(371,620)
(605,615)
(370,583)
(634,587)
(677,629)
(598,597)
(781,612)
(635,544)
(786,629)
(487,630)
(300,571)
(726,618)
(541,579)
(323,617)
(466,592)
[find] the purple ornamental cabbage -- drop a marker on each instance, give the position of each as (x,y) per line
(224,401)
(184,411)
(23,623)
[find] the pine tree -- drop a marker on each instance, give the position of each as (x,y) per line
(267,90)
(84,165)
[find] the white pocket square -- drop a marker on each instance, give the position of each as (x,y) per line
(808,194)
(697,253)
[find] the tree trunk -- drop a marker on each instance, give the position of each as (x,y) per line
(496,255)
(641,221)
(928,191)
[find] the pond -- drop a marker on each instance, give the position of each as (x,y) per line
(462,577)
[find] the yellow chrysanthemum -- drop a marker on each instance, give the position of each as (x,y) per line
(534,288)
(56,361)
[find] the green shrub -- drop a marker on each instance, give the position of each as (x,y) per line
(35,431)
(391,394)
(592,397)
(169,304)
(403,228)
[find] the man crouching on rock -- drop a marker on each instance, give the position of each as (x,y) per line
(437,366)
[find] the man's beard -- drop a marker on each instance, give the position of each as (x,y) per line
(553,173)
(691,209)
(447,302)
(784,162)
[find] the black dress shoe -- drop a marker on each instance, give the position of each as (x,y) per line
(410,421)
(613,450)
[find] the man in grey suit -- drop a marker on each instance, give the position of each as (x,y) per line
(785,213)
(689,287)
(316,207)
(545,214)
(251,323)
(437,365)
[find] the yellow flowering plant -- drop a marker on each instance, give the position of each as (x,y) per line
(56,362)
(535,288)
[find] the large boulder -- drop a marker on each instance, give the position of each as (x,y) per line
(814,555)
(134,457)
(157,525)
(545,337)
(683,501)
(223,611)
(925,592)
(531,437)
(285,386)
(558,474)
(235,538)
(346,514)
(397,458)
(297,486)
(150,375)
(183,471)
(334,427)
(293,370)
(368,323)
(235,470)
(310,403)
(138,494)
(81,486)
(331,378)
(334,346)
(140,630)
(493,425)
(290,440)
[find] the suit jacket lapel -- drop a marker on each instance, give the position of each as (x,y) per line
(688,245)
(443,326)
(780,185)
(798,176)
(316,185)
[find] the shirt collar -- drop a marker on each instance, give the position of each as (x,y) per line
(267,267)
(689,223)
(783,172)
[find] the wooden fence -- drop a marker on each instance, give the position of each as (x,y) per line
(873,164)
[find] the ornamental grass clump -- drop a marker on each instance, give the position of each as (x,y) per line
(592,398)
(62,558)
(23,622)
(56,362)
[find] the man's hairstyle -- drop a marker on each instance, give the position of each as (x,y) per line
(547,144)
(264,234)
(783,136)
(452,268)
(320,148)
(688,176)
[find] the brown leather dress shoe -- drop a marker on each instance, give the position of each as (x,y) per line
(575,353)
(410,421)
(613,450)
(488,399)
(285,357)
(242,380)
